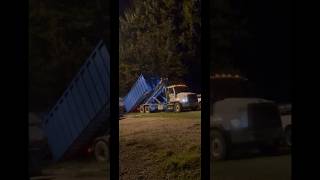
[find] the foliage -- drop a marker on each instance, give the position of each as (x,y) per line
(158,37)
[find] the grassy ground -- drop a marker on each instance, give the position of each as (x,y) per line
(85,169)
(160,146)
(260,167)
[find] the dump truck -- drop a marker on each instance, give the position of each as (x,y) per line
(237,119)
(79,123)
(152,94)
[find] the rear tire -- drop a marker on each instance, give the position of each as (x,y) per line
(101,151)
(142,109)
(147,109)
(177,107)
(218,145)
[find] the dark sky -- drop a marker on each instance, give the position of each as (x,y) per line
(267,58)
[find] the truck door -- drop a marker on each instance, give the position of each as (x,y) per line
(171,95)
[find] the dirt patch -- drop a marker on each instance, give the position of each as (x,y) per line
(160,146)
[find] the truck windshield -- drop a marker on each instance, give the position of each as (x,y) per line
(180,89)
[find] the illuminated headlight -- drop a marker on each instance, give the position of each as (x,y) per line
(184,100)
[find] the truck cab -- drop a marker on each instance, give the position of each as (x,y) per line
(180,98)
(238,121)
(238,118)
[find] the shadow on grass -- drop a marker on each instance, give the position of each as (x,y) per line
(242,154)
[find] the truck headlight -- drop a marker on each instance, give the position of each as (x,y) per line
(184,100)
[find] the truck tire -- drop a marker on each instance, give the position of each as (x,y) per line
(141,109)
(177,107)
(218,145)
(287,134)
(101,151)
(147,109)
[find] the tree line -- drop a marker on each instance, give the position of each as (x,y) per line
(62,34)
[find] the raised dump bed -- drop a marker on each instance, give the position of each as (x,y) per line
(82,112)
(140,91)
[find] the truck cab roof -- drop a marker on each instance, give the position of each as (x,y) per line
(177,85)
(244,100)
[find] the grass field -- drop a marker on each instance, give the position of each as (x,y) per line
(160,146)
(84,169)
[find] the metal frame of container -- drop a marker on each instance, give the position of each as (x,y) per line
(83,111)
(140,91)
(157,97)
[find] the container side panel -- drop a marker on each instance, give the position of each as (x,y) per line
(105,55)
(101,70)
(137,93)
(74,106)
(87,101)
(75,123)
(81,102)
(68,119)
(64,135)
(91,90)
(99,90)
(80,113)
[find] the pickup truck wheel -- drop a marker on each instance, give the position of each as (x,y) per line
(177,107)
(288,136)
(101,151)
(218,145)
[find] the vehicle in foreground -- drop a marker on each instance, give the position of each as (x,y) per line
(239,121)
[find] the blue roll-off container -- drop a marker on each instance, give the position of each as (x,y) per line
(82,112)
(139,91)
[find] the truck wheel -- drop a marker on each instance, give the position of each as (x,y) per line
(147,109)
(288,136)
(218,145)
(177,107)
(101,151)
(142,109)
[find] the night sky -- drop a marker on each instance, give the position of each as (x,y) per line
(267,58)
